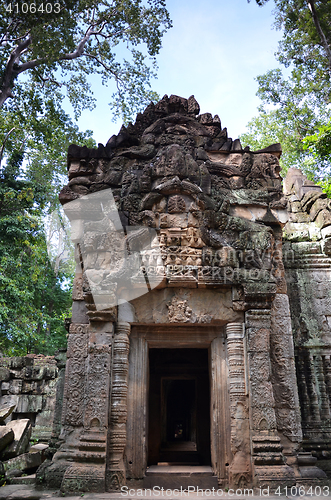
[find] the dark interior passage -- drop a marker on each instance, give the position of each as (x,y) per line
(180,409)
(179,413)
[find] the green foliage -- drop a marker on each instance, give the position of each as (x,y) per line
(297,105)
(40,133)
(270,128)
(318,145)
(44,57)
(33,300)
(59,50)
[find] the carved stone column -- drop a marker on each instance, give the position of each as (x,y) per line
(284,381)
(115,471)
(136,449)
(87,403)
(269,467)
(221,454)
(240,468)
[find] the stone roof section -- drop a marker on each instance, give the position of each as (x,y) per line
(174,116)
(171,132)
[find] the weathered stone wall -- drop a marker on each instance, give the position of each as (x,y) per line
(307,252)
(32,384)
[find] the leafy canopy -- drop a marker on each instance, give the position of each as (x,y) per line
(34,301)
(297,105)
(45,56)
(78,38)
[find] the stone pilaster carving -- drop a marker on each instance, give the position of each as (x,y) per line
(302,386)
(327,371)
(240,469)
(98,377)
(312,383)
(137,429)
(269,463)
(115,471)
(324,400)
(284,376)
(89,447)
(74,387)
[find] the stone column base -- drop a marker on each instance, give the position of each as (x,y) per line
(84,478)
(309,471)
(274,476)
(115,479)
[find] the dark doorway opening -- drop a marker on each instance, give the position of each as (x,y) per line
(179,407)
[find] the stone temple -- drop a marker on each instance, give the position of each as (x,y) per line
(200,343)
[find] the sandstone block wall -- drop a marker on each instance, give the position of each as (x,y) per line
(307,258)
(32,384)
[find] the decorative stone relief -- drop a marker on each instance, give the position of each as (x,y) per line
(308,271)
(74,386)
(240,469)
(115,469)
(176,204)
(179,311)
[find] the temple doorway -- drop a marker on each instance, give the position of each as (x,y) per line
(179,407)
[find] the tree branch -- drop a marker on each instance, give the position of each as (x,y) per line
(78,52)
(107,68)
(4,143)
(320,32)
(6,87)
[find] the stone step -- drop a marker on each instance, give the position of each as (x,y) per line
(177,476)
(184,457)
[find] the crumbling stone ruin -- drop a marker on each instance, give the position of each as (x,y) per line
(30,413)
(200,334)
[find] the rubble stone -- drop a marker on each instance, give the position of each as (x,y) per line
(23,462)
(22,433)
(6,437)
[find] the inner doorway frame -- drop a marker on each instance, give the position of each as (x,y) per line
(172,336)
